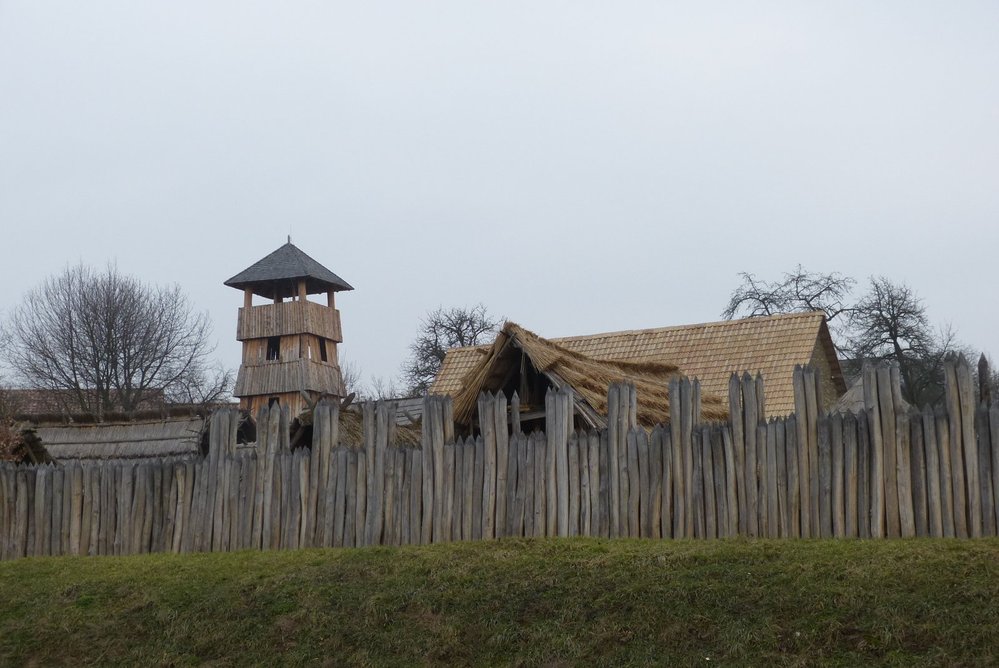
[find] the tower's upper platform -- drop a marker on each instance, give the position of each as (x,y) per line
(278,275)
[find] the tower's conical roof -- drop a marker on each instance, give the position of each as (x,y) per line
(278,274)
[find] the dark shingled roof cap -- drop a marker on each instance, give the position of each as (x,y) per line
(277,275)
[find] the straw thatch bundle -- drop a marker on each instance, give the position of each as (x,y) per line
(352,428)
(19,444)
(589,378)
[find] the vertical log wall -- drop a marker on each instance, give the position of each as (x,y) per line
(887,471)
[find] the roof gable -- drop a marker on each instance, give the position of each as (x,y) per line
(710,352)
(277,274)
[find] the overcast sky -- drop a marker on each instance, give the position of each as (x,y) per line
(575,166)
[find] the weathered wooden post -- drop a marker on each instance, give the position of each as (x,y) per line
(750,414)
(803,522)
(678,458)
(812,403)
(994,439)
(706,459)
(687,446)
(934,486)
(376,419)
(850,475)
(738,445)
(558,404)
(612,470)
(435,432)
(215,500)
(598,480)
(877,452)
(920,479)
(959,467)
(427,463)
(984,384)
(633,505)
(487,424)
(328,470)
(966,398)
(513,458)
(656,481)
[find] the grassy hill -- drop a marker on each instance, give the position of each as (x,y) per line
(552,602)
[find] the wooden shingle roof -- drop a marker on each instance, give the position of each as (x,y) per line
(710,352)
(277,275)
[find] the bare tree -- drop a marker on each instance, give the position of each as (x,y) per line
(202,386)
(381,388)
(890,323)
(441,330)
(377,387)
(796,291)
(350,376)
(112,341)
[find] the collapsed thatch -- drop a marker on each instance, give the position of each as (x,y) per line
(352,428)
(19,444)
(589,378)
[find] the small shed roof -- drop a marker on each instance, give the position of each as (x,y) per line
(278,274)
(123,440)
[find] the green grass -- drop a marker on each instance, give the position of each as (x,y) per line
(557,602)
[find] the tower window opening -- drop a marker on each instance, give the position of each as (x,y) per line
(322,350)
(274,348)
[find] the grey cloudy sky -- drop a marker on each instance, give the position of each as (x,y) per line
(576,166)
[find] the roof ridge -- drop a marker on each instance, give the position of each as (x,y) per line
(717,323)
(698,325)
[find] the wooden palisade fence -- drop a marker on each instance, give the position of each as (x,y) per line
(886,471)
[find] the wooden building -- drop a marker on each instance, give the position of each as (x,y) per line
(711,352)
(290,343)
(521,361)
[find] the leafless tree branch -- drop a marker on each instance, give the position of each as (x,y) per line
(796,291)
(440,330)
(114,342)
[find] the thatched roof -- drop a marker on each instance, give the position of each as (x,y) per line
(589,378)
(277,275)
(710,352)
(123,440)
(351,426)
(352,430)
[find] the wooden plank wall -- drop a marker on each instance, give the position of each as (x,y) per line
(886,471)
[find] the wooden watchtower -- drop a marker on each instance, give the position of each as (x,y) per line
(289,345)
